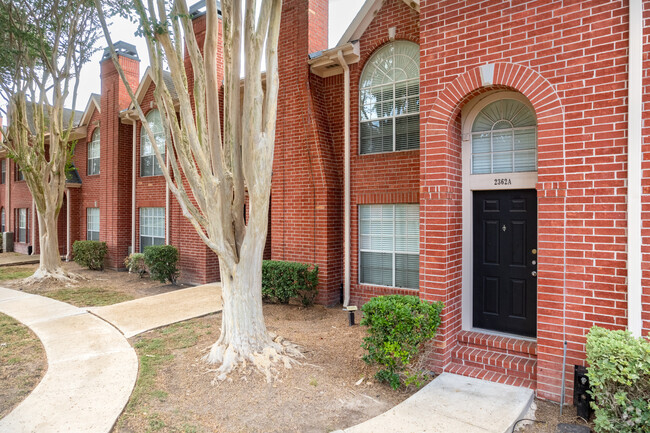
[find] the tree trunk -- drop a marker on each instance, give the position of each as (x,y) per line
(50,261)
(244,337)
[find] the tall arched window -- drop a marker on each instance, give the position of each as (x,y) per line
(504,138)
(2,221)
(93,154)
(148,163)
(390,99)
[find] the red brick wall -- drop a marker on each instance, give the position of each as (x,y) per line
(569,60)
(116,151)
(305,191)
(90,194)
(382,178)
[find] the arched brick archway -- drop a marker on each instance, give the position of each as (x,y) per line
(441,208)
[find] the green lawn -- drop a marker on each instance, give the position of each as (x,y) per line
(14,273)
(88,296)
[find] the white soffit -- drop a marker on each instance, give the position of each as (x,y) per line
(327,64)
(365,16)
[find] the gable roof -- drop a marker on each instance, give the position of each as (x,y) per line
(94,103)
(147,80)
(366,14)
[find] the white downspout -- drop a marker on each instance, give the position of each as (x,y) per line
(8,210)
(133,174)
(346,181)
(67,225)
(166,202)
(33,234)
(634,158)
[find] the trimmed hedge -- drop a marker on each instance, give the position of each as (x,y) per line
(619,375)
(398,325)
(161,260)
(282,281)
(90,254)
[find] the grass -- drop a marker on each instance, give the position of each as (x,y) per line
(88,296)
(14,273)
(21,362)
(154,354)
(15,340)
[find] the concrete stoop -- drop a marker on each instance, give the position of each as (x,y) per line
(453,404)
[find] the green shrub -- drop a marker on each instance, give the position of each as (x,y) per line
(282,281)
(90,254)
(161,261)
(398,325)
(134,263)
(619,375)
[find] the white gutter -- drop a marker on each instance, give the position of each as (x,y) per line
(133,173)
(634,158)
(346,181)
(33,236)
(167,202)
(8,210)
(67,226)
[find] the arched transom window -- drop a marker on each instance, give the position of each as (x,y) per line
(504,138)
(390,99)
(148,163)
(93,154)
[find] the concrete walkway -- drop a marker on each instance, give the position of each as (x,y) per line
(91,368)
(453,404)
(143,314)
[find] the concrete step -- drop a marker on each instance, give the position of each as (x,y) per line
(492,376)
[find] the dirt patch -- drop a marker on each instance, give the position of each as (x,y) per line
(96,287)
(325,392)
(548,416)
(22,363)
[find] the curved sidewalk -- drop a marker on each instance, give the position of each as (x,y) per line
(91,368)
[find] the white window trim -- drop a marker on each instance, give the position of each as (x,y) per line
(394,117)
(482,182)
(393,252)
(20,227)
(164,237)
(152,155)
(89,159)
(88,231)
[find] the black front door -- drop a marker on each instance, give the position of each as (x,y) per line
(505,261)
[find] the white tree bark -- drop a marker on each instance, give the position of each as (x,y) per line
(212,168)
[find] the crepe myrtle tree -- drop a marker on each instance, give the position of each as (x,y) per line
(44,44)
(212,168)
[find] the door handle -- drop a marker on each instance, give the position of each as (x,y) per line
(534,273)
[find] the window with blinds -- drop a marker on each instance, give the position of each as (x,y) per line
(22,225)
(92,224)
(93,154)
(152,226)
(389,245)
(504,138)
(148,163)
(390,99)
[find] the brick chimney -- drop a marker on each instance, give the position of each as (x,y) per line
(116,150)
(305,214)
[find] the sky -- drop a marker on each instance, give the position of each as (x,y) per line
(341,14)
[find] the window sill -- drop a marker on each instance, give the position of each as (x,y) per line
(388,287)
(388,152)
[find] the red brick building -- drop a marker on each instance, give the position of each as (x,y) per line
(491,155)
